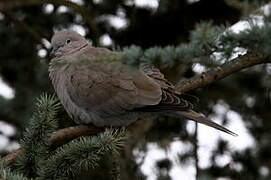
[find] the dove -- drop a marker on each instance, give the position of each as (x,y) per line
(96,87)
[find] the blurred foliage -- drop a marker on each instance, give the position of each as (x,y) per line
(161,34)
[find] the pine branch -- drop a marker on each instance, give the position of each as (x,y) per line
(35,139)
(115,171)
(196,150)
(203,42)
(241,62)
(6,174)
(82,154)
(60,136)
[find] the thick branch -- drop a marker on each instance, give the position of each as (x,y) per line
(241,62)
(58,137)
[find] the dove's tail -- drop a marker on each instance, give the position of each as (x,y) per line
(203,120)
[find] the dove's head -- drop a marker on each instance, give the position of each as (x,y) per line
(67,42)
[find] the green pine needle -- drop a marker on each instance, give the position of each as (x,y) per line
(82,154)
(37,135)
(7,174)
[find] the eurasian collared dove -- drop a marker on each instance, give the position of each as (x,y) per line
(95,87)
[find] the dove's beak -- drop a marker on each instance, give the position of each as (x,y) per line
(56,52)
(53,53)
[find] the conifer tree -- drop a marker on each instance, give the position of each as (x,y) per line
(175,37)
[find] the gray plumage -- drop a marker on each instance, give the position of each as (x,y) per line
(107,92)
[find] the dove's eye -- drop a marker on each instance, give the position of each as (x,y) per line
(68,41)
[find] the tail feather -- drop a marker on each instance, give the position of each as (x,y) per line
(203,120)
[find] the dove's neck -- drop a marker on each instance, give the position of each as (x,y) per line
(77,50)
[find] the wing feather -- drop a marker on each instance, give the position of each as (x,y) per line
(171,98)
(106,93)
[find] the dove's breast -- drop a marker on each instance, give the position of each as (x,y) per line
(59,77)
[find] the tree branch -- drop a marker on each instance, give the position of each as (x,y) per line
(58,137)
(196,150)
(241,62)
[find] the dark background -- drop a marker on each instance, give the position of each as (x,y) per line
(27,26)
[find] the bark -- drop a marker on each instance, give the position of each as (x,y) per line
(241,62)
(60,136)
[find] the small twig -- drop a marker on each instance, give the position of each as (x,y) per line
(10,158)
(241,62)
(59,136)
(115,171)
(196,148)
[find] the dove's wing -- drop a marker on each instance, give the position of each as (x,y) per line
(110,88)
(171,98)
(176,102)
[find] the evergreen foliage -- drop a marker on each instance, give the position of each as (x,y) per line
(81,155)
(253,38)
(36,138)
(7,174)
(174,36)
(203,42)
(41,161)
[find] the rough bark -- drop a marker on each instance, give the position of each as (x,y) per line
(241,62)
(60,136)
